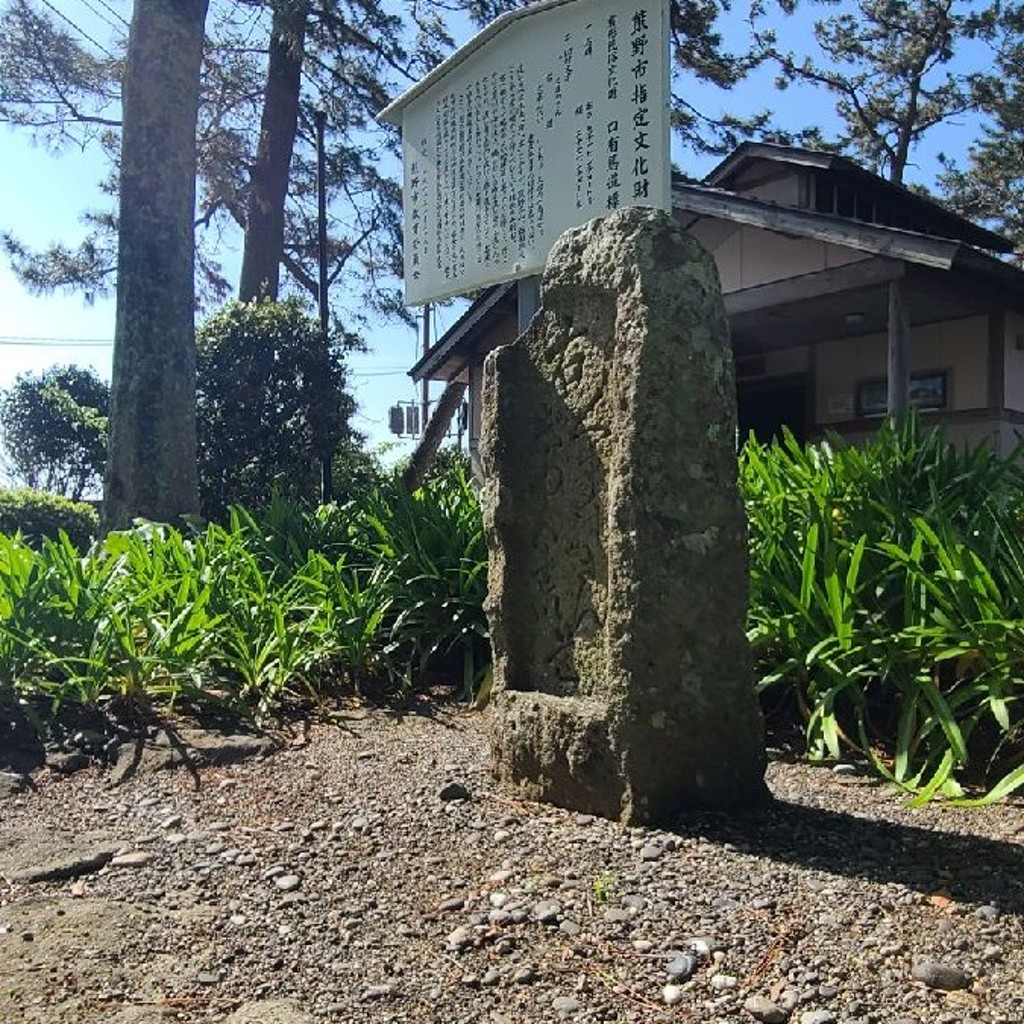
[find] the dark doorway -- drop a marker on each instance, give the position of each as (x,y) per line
(766,406)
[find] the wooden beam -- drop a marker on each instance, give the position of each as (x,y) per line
(850,276)
(872,238)
(899,334)
(433,435)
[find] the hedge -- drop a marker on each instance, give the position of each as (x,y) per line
(38,515)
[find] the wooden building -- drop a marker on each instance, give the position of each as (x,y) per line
(830,275)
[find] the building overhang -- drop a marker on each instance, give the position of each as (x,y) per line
(941,220)
(455,348)
(947,279)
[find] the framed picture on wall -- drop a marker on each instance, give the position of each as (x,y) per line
(928,390)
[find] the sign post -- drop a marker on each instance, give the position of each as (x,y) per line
(554,114)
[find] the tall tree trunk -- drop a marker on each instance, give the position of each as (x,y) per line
(268,189)
(151,471)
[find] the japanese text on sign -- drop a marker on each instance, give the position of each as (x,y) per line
(556,118)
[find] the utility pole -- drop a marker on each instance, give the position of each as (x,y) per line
(425,384)
(320,117)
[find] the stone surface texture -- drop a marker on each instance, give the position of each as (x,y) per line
(618,575)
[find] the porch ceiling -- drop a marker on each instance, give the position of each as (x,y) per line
(781,321)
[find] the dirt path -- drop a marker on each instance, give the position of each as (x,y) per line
(348,879)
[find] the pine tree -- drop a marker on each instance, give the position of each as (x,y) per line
(269,66)
(151,471)
(891,66)
(991,188)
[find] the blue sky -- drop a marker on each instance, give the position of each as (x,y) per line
(54,189)
(44,195)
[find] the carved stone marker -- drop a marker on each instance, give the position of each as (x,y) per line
(618,564)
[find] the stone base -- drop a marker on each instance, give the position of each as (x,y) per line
(576,753)
(557,750)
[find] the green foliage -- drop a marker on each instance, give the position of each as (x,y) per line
(271,401)
(431,543)
(886,588)
(54,427)
(892,67)
(603,887)
(385,590)
(37,516)
(356,471)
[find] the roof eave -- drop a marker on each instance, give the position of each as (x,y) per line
(449,342)
(883,241)
(746,152)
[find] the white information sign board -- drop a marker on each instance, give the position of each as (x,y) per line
(556,113)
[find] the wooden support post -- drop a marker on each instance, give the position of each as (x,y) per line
(433,435)
(997,361)
(529,300)
(899,334)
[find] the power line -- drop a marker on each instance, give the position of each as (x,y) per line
(80,31)
(14,340)
(117,14)
(92,10)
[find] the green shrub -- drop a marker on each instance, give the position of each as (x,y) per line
(272,399)
(887,583)
(37,515)
(287,600)
(53,425)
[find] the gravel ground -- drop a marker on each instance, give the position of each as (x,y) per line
(371,871)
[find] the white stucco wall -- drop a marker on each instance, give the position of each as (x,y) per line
(748,256)
(960,347)
(1013,361)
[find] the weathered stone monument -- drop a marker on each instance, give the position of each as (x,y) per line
(618,574)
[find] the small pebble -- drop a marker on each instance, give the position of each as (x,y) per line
(459,938)
(818,1017)
(946,977)
(763,1009)
(672,994)
(547,911)
(680,967)
(136,859)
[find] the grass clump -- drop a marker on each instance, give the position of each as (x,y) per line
(887,583)
(387,590)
